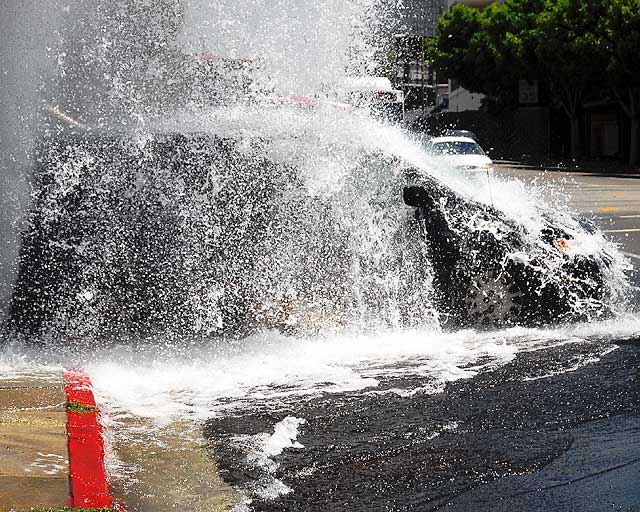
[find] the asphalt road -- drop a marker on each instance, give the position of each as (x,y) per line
(533,435)
(612,201)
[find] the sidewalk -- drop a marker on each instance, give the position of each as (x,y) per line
(34,467)
(52,455)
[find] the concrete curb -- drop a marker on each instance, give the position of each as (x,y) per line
(88,482)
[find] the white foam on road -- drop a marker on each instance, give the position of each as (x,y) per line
(213,380)
(262,451)
(573,365)
(165,382)
(284,436)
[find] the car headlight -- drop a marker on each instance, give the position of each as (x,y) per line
(488,166)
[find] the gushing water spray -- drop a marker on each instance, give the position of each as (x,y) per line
(185,188)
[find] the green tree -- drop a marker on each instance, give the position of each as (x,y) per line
(488,51)
(620,28)
(450,51)
(555,41)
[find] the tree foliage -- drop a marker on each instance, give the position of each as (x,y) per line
(488,51)
(576,48)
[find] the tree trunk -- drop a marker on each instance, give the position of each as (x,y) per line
(629,103)
(634,143)
(575,135)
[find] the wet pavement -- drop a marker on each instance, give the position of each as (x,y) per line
(518,435)
(165,469)
(601,469)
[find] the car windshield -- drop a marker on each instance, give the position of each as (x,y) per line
(457,148)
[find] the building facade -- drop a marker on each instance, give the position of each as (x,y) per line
(418,20)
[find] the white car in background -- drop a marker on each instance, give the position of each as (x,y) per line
(462,153)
